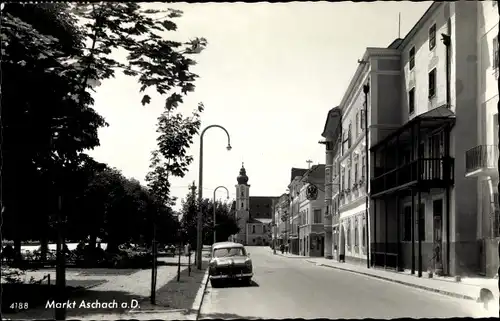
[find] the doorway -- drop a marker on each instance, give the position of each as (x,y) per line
(437,210)
(342,244)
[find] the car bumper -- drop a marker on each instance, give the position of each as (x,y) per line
(233,276)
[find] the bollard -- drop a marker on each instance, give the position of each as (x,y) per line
(189,263)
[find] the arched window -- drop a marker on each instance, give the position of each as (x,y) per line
(253,229)
(348,235)
(356,235)
(363,233)
(242,205)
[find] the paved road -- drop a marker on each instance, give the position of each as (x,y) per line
(294,288)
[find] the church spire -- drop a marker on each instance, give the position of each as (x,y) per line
(242,178)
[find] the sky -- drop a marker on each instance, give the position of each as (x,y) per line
(269,75)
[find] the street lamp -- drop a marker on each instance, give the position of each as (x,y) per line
(215,190)
(199,239)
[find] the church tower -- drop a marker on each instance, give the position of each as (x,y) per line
(242,204)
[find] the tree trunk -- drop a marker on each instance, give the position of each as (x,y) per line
(93,240)
(112,246)
(44,246)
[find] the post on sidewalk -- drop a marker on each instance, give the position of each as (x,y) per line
(60,312)
(189,261)
(179,263)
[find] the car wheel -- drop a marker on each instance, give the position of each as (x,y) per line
(215,283)
(247,281)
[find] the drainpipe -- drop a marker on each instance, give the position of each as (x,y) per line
(447,42)
(366,90)
(498,167)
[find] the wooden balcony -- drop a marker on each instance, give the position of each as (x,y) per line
(422,173)
(481,161)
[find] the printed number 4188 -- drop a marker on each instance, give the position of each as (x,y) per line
(19,306)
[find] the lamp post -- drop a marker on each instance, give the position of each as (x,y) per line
(199,239)
(215,190)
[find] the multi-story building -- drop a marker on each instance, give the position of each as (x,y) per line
(332,134)
(346,145)
(293,212)
(282,206)
(481,160)
(310,222)
(423,215)
(254,214)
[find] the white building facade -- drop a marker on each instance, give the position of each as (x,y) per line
(311,212)
(481,160)
(423,94)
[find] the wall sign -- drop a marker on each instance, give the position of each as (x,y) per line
(312,192)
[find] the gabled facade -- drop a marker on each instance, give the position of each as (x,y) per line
(311,212)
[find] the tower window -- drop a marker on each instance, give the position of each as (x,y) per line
(242,205)
(242,193)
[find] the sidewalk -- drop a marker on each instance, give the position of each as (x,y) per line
(121,288)
(468,288)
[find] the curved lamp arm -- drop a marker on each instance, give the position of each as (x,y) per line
(218,126)
(215,190)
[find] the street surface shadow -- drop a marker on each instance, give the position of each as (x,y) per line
(237,284)
(105,272)
(224,316)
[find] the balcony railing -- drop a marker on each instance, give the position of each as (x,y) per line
(482,157)
(423,169)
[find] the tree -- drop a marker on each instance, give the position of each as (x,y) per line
(44,50)
(226,223)
(43,131)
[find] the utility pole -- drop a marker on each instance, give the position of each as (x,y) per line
(193,195)
(153,268)
(309,162)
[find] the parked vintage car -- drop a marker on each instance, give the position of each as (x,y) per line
(230,261)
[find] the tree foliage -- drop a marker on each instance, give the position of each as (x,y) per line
(226,222)
(53,55)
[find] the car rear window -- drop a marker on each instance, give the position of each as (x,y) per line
(229,251)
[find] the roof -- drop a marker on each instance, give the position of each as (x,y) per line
(333,119)
(222,245)
(420,23)
(297,172)
(438,113)
(396,43)
(316,171)
(261,206)
(264,220)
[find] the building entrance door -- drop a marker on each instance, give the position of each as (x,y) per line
(437,209)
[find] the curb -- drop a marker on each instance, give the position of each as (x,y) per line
(198,300)
(413,285)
